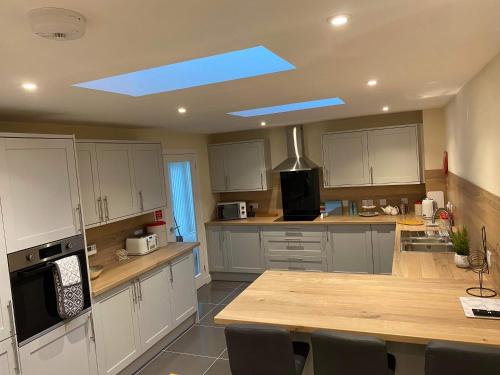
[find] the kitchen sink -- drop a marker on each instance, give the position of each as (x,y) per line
(435,241)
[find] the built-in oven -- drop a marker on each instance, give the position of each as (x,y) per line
(33,289)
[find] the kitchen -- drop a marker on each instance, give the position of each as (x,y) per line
(169,221)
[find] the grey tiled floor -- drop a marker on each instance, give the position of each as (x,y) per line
(201,350)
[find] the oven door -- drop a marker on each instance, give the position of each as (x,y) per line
(34,298)
(228,211)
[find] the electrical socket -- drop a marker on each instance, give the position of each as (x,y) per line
(382,202)
(488,257)
(92,249)
(404,200)
(138,232)
(345,203)
(253,206)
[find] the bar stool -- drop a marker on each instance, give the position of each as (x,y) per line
(343,354)
(449,358)
(264,350)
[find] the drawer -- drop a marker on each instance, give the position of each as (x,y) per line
(306,246)
(294,231)
(307,263)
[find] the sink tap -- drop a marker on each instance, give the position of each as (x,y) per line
(437,211)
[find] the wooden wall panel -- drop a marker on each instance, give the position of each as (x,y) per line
(475,207)
(435,179)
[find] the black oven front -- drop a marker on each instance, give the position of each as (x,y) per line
(33,290)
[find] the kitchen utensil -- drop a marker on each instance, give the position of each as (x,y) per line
(478,260)
(412,221)
(368,214)
(418,208)
(95,271)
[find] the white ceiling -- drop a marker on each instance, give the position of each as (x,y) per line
(421,52)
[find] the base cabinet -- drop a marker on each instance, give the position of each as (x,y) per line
(383,237)
(215,247)
(351,248)
(66,350)
(130,319)
(9,364)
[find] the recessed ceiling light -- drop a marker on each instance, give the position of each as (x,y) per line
(372,82)
(29,86)
(339,20)
(263,123)
(181,110)
(385,108)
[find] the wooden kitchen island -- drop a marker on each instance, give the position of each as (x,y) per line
(406,312)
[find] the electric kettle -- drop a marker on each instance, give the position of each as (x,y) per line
(428,208)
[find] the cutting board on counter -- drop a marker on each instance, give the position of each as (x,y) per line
(437,196)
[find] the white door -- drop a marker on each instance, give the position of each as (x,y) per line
(351,248)
(345,159)
(155,315)
(383,239)
(65,350)
(184,299)
(216,157)
(185,210)
(6,312)
(117,181)
(394,155)
(245,166)
(39,191)
(9,364)
(243,248)
(215,249)
(117,331)
(89,183)
(148,169)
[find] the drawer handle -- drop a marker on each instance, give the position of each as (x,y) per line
(293,240)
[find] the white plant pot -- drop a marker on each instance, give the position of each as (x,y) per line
(461,261)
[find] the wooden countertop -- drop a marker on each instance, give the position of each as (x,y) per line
(332,219)
(121,272)
(392,308)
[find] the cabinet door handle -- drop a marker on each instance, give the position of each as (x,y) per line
(80,216)
(92,330)
(171,274)
(17,365)
(99,208)
(139,287)
(261,181)
(106,207)
(10,308)
(325,177)
(134,294)
(371,175)
(141,199)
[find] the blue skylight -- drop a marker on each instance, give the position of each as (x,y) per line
(328,102)
(228,66)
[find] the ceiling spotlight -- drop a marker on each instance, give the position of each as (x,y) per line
(181,110)
(29,86)
(385,108)
(372,82)
(263,123)
(339,20)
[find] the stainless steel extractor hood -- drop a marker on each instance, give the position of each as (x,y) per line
(296,160)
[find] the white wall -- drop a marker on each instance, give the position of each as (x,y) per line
(473,129)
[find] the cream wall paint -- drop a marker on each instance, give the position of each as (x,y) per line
(434,121)
(313,132)
(473,129)
(170,141)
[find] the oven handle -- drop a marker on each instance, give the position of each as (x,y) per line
(36,271)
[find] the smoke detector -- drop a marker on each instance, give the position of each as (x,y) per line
(57,23)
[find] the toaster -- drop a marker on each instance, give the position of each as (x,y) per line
(141,245)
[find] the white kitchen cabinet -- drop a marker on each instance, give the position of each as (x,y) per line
(39,191)
(216,158)
(154,306)
(243,248)
(351,248)
(386,156)
(117,330)
(241,166)
(117,180)
(345,158)
(9,363)
(149,181)
(6,316)
(68,349)
(183,288)
(383,239)
(89,183)
(215,248)
(394,157)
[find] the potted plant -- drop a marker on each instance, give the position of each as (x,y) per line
(460,240)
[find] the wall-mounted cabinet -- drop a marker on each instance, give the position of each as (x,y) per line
(241,166)
(119,180)
(386,156)
(39,191)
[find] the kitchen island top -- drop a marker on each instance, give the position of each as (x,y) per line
(395,309)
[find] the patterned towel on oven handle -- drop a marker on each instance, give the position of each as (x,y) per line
(68,285)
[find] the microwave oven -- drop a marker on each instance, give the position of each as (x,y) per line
(231,211)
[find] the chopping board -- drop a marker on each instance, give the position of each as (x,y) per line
(412,221)
(437,196)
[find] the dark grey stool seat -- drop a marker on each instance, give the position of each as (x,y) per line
(263,350)
(344,354)
(449,358)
